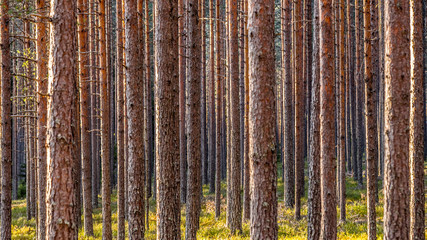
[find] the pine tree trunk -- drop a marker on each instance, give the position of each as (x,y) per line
(342,125)
(62,125)
(218,124)
(247,171)
(262,120)
(397,95)
(182,42)
(289,177)
(371,120)
(417,124)
(105,124)
(85,115)
(42,89)
(314,197)
(299,106)
(327,123)
(235,211)
(6,123)
(193,206)
(135,114)
(120,125)
(167,121)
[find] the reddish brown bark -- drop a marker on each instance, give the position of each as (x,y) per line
(135,114)
(262,119)
(371,121)
(235,211)
(397,96)
(342,125)
(42,89)
(327,123)
(182,58)
(167,127)
(62,124)
(83,26)
(193,207)
(120,125)
(6,124)
(417,124)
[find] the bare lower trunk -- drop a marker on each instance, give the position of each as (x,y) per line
(397,95)
(262,119)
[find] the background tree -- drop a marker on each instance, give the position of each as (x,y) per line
(235,211)
(417,124)
(83,26)
(42,89)
(6,125)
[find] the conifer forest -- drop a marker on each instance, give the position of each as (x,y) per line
(213,119)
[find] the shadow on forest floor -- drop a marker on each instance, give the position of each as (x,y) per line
(210,228)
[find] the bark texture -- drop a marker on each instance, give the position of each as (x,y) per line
(83,26)
(42,89)
(262,120)
(167,124)
(193,206)
(289,164)
(120,125)
(417,124)
(327,123)
(62,125)
(314,197)
(235,211)
(397,95)
(6,124)
(135,114)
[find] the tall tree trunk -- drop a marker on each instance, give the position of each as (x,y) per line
(342,125)
(182,42)
(289,164)
(105,124)
(299,106)
(397,95)
(120,125)
(62,126)
(83,26)
(135,113)
(314,197)
(193,207)
(42,89)
(359,102)
(167,124)
(93,45)
(371,120)
(247,171)
(235,171)
(327,123)
(417,124)
(218,125)
(148,114)
(203,124)
(262,120)
(211,101)
(6,124)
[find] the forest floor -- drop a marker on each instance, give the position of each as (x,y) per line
(355,226)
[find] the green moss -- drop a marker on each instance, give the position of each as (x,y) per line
(211,228)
